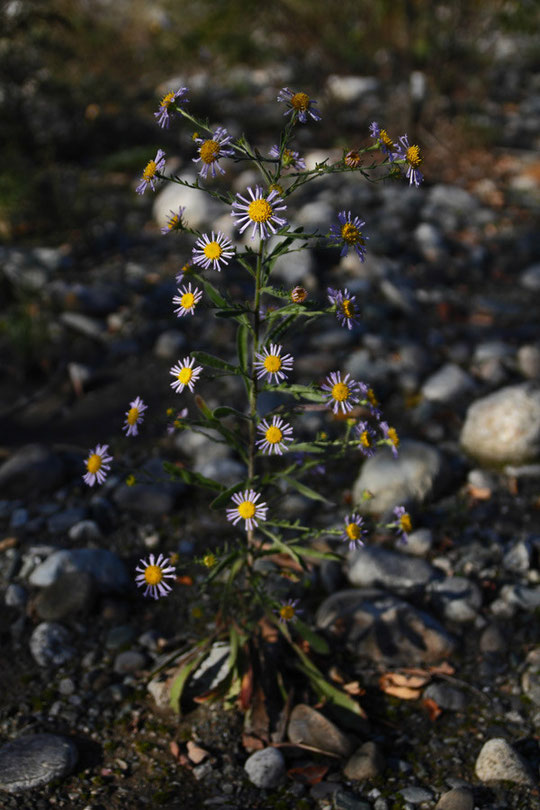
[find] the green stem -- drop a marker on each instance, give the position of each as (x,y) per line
(253,387)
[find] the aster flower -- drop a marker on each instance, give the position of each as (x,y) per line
(187,299)
(273,364)
(246,508)
(134,416)
(353,159)
(97,465)
(152,573)
(288,611)
(209,560)
(177,421)
(346,310)
(298,295)
(354,531)
(184,270)
(260,211)
(164,114)
(215,251)
(367,439)
(402,524)
(411,156)
(348,234)
(343,393)
(300,105)
(152,168)
(372,402)
(390,437)
(289,159)
(274,435)
(211,150)
(185,374)
(175,221)
(385,142)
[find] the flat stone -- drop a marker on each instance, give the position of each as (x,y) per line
(449,384)
(416,795)
(50,644)
(308,726)
(367,762)
(32,470)
(456,799)
(446,696)
(530,278)
(498,761)
(266,768)
(73,593)
(129,661)
(107,569)
(373,566)
(457,598)
(35,759)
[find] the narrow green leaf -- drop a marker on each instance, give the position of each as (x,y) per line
(232,312)
(314,554)
(315,641)
(281,545)
(214,362)
(323,686)
(225,410)
(225,496)
(303,489)
(190,477)
(242,346)
(181,679)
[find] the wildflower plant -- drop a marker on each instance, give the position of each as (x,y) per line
(276,457)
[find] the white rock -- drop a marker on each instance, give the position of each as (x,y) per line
(201,210)
(266,768)
(448,384)
(498,761)
(351,88)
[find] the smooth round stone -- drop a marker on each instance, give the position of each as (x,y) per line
(85,531)
(350,89)
(128,662)
(63,521)
(458,598)
(119,636)
(446,696)
(266,768)
(419,542)
(50,644)
(416,795)
(307,725)
(528,359)
(107,569)
(15,595)
(170,344)
(397,572)
(200,208)
(32,470)
(367,762)
(530,278)
(530,680)
(35,760)
(456,799)
(449,384)
(498,761)
(71,594)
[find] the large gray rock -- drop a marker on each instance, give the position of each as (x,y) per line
(504,427)
(50,644)
(266,768)
(310,727)
(450,383)
(414,475)
(107,569)
(32,470)
(72,593)
(201,209)
(373,566)
(380,626)
(498,761)
(34,760)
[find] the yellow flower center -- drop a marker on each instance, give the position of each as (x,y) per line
(153,574)
(130,480)
(412,156)
(150,170)
(246,509)
(386,139)
(298,295)
(274,435)
(372,398)
(209,151)
(300,102)
(392,435)
(365,439)
(340,391)
(275,187)
(353,159)
(287,612)
(209,560)
(351,234)
(212,250)
(173,222)
(196,612)
(94,463)
(354,532)
(186,268)
(288,157)
(133,415)
(185,375)
(405,522)
(348,308)
(272,363)
(167,100)
(170,411)
(259,211)
(188,300)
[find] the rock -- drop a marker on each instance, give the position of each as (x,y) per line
(291,268)
(170,344)
(367,762)
(71,594)
(350,89)
(63,521)
(153,495)
(49,644)
(119,636)
(504,427)
(416,795)
(201,209)
(308,726)
(498,761)
(517,595)
(19,518)
(35,759)
(380,626)
(85,531)
(530,679)
(518,558)
(449,206)
(373,566)
(107,569)
(129,661)
(15,596)
(84,325)
(419,543)
(530,278)
(446,696)
(456,799)
(32,470)
(266,768)
(492,640)
(416,474)
(528,360)
(430,241)
(449,384)
(457,598)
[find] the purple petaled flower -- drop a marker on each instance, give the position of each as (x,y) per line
(402,524)
(134,416)
(386,144)
(187,299)
(214,251)
(211,150)
(289,159)
(246,508)
(367,439)
(152,573)
(346,311)
(348,234)
(273,364)
(390,437)
(344,393)
(185,374)
(300,105)
(354,531)
(185,270)
(177,421)
(153,168)
(97,465)
(165,113)
(371,402)
(260,211)
(288,611)
(274,435)
(411,156)
(175,221)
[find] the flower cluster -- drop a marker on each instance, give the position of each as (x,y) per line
(402,152)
